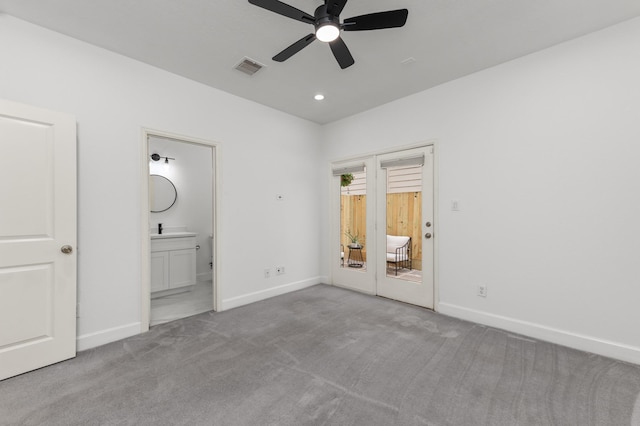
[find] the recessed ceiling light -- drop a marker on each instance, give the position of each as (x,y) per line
(319,97)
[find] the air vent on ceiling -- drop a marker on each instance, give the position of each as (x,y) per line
(249,66)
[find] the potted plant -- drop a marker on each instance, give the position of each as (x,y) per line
(346,179)
(356,240)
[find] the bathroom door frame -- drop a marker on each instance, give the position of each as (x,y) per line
(145,273)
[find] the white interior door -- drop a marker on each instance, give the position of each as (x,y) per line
(405,226)
(37,238)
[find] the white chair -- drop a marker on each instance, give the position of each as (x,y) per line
(399,252)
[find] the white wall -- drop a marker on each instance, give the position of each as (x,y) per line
(192,174)
(113,98)
(543,153)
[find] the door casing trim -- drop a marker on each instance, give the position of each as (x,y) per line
(145,246)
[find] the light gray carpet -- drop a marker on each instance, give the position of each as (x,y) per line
(326,356)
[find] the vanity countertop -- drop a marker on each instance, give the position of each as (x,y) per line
(172,235)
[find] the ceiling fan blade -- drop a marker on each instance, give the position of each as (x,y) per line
(341,52)
(334,7)
(294,48)
(284,10)
(376,21)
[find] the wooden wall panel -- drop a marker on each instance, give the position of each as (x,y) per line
(353,219)
(404,217)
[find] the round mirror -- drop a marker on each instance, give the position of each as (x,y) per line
(162,192)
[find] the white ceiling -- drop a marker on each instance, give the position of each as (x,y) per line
(204,40)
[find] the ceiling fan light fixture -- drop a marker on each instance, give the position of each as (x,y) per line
(327,32)
(327,25)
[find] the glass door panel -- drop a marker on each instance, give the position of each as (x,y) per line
(403,223)
(353,252)
(353,220)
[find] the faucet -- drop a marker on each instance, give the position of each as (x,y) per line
(159,228)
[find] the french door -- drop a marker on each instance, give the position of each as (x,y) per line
(405,217)
(383,226)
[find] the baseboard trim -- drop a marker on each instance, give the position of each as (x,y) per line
(257,296)
(573,340)
(99,338)
(357,290)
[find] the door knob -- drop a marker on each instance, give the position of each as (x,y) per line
(427,235)
(66,249)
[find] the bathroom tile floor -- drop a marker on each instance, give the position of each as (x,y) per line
(195,301)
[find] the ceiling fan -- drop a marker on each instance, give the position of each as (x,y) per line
(326,21)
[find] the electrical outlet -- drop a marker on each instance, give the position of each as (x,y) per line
(279,270)
(482,290)
(267,273)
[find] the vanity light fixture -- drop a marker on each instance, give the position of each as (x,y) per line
(157,157)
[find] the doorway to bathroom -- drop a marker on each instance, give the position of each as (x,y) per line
(180,220)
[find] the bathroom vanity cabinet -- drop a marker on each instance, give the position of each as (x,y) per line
(173,261)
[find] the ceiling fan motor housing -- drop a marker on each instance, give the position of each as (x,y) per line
(324,18)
